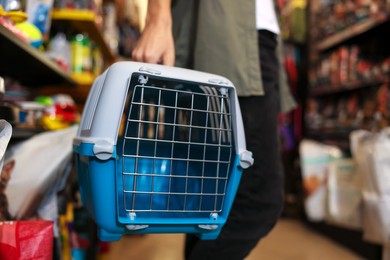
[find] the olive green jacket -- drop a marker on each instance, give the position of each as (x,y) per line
(199,26)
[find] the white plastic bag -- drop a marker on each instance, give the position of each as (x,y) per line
(381,162)
(40,166)
(5,136)
(376,220)
(372,154)
(361,148)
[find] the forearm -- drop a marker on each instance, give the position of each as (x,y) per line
(159,11)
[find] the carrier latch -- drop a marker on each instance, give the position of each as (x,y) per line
(103,149)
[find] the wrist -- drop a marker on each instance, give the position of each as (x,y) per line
(160,19)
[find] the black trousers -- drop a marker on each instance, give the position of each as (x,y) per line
(259,200)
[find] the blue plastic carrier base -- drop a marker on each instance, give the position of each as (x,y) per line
(167,158)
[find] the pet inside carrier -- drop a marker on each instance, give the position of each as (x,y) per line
(160,150)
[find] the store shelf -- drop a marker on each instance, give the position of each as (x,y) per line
(83,21)
(30,67)
(83,79)
(352,31)
(79,93)
(24,133)
(348,86)
(332,134)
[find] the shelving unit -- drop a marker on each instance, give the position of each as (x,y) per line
(351,31)
(30,67)
(42,76)
(348,86)
(338,92)
(83,21)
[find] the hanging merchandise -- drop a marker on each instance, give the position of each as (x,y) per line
(298,20)
(293,20)
(291,122)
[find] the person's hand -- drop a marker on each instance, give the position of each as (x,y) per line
(156,43)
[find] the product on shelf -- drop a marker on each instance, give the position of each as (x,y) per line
(39,14)
(365,109)
(59,50)
(81,54)
(334,16)
(349,64)
(33,33)
(12,10)
(60,112)
(75,4)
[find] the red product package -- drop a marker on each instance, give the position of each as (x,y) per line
(32,239)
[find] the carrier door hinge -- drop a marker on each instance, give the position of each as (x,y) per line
(213,217)
(246,159)
(136,227)
(103,149)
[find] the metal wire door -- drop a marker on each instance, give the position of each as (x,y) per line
(177,151)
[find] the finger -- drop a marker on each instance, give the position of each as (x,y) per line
(169,58)
(136,55)
(152,57)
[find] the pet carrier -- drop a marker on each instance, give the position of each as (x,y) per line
(160,150)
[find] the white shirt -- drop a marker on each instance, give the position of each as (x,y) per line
(266,16)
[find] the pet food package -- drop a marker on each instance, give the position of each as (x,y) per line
(372,154)
(315,158)
(345,202)
(376,221)
(26,240)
